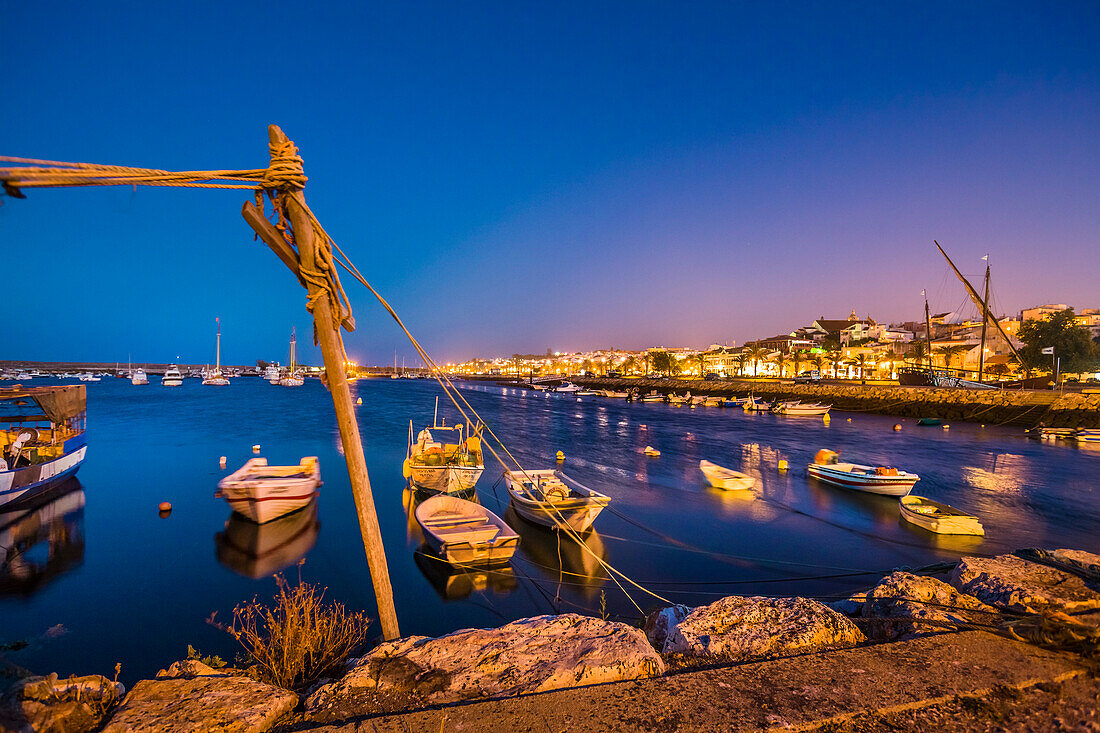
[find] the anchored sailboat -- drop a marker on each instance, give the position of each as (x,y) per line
(293,377)
(215,378)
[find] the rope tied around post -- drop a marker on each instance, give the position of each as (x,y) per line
(285,171)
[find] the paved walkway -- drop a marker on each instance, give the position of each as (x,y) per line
(834,689)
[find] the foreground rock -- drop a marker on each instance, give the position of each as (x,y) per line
(525,656)
(904,596)
(659,622)
(1017,585)
(203,703)
(736,629)
(47,704)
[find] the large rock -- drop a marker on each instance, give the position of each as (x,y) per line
(525,656)
(50,705)
(738,628)
(904,596)
(180,705)
(1017,585)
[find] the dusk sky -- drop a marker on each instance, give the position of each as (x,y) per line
(516,177)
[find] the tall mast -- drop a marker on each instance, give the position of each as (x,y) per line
(978,301)
(985,321)
(218,356)
(292,339)
(927,330)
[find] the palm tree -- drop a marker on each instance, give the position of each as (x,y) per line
(833,358)
(950,352)
(920,352)
(862,361)
(889,359)
(739,360)
(756,355)
(780,362)
(629,364)
(701,358)
(819,361)
(798,359)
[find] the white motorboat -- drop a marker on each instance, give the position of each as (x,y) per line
(261,492)
(586,393)
(462,532)
(216,378)
(615,394)
(89,377)
(567,387)
(725,478)
(937,517)
(139,377)
(23,376)
(653,396)
(552,499)
(172,377)
(1086,435)
(801,408)
(675,399)
(885,480)
(271,374)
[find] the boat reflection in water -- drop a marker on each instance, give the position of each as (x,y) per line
(455,583)
(559,557)
(258,550)
(41,538)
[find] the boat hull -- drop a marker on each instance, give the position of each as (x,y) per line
(867,483)
(453,545)
(944,521)
(723,478)
(26,481)
(445,479)
(261,496)
(577,513)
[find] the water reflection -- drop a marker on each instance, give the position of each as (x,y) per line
(41,539)
(454,584)
(258,550)
(559,557)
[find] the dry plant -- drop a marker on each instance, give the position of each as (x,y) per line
(300,638)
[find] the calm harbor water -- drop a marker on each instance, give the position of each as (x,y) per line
(94,576)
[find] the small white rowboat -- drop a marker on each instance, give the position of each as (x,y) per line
(552,499)
(725,478)
(261,492)
(937,517)
(461,532)
(800,408)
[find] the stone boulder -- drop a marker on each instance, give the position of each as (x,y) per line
(190,668)
(1011,583)
(525,656)
(904,596)
(737,628)
(71,705)
(203,703)
(659,622)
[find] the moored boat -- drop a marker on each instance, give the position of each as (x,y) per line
(462,532)
(172,377)
(725,478)
(293,378)
(1085,435)
(567,387)
(552,499)
(139,377)
(271,374)
(930,421)
(41,447)
(753,404)
(262,493)
(937,517)
(801,408)
(885,480)
(441,467)
(216,378)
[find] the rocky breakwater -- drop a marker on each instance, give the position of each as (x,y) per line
(994,406)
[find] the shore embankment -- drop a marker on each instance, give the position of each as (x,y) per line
(982,629)
(1025,408)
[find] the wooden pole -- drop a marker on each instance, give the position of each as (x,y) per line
(329,338)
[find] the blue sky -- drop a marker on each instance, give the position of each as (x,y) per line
(516,177)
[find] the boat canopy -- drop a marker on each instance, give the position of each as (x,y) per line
(57,403)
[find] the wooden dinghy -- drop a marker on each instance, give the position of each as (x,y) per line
(551,498)
(461,532)
(262,493)
(884,480)
(937,517)
(726,478)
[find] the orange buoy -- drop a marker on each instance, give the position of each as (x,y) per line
(221,461)
(165,506)
(256,448)
(897,426)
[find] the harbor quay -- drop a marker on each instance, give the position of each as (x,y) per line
(1027,408)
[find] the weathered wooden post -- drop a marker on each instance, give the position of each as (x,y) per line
(328,336)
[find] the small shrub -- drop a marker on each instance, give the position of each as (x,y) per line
(210,661)
(300,638)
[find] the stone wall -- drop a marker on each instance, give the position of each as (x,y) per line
(996,407)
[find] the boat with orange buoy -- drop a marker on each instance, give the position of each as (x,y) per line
(885,480)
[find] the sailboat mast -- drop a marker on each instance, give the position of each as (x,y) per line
(292,339)
(218,355)
(978,300)
(985,322)
(927,331)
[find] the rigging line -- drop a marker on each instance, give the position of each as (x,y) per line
(441,377)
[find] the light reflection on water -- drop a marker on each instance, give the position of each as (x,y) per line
(128,586)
